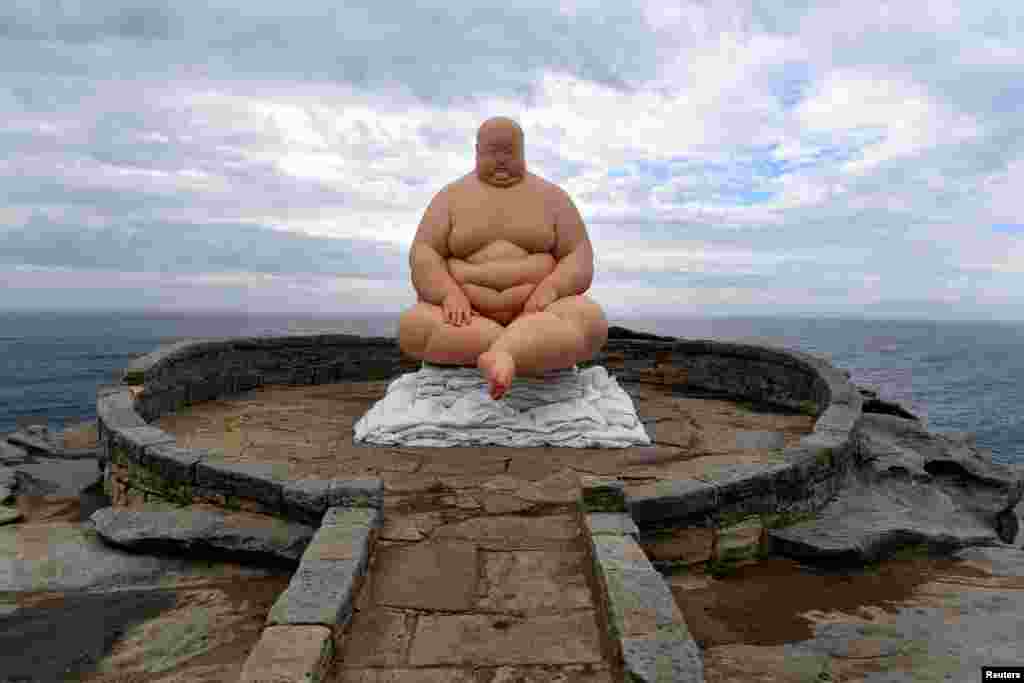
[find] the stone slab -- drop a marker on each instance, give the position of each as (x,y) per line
(438,574)
(290,654)
(675,498)
(413,527)
(320,592)
(492,640)
(172,462)
(54,556)
(377,637)
(619,552)
(306,497)
(259,481)
(135,440)
(526,580)
(188,530)
(671,657)
(510,531)
(610,523)
(433,675)
(344,534)
(640,603)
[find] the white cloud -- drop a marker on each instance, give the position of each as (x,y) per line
(725,156)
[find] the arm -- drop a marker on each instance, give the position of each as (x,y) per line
(430,276)
(574,271)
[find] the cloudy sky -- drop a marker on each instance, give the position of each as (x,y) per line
(728,159)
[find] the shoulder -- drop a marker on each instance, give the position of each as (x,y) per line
(460,187)
(551,192)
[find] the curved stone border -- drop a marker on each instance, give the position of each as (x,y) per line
(801,479)
(180,374)
(643,622)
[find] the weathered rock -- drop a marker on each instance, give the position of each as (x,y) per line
(11,454)
(869,521)
(63,556)
(915,488)
(35,439)
(873,404)
(57,477)
(898,448)
(252,537)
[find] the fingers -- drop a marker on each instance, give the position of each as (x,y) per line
(458,316)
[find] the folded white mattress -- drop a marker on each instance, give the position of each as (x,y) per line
(451,406)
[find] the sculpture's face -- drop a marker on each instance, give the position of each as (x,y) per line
(499,155)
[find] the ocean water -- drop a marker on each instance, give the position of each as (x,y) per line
(957,376)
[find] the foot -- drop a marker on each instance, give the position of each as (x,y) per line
(499,368)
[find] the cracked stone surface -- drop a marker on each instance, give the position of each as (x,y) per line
(308,429)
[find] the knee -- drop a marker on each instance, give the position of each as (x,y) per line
(414,330)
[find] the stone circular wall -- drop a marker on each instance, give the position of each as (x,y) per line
(190,372)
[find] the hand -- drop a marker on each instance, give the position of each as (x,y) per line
(457,310)
(543,296)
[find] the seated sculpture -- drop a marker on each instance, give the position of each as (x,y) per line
(500,263)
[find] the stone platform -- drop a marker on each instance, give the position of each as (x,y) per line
(515,577)
(481,563)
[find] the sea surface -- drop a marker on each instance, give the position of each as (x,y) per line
(956,376)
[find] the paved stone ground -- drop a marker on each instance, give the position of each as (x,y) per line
(480,573)
(309,429)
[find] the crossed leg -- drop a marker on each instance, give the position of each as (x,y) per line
(570,330)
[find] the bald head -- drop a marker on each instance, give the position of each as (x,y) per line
(499,152)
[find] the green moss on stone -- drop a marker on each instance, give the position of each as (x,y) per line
(134,377)
(119,456)
(777,520)
(911,552)
(729,519)
(603,500)
(151,483)
(809,408)
(720,568)
(824,457)
(360,500)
